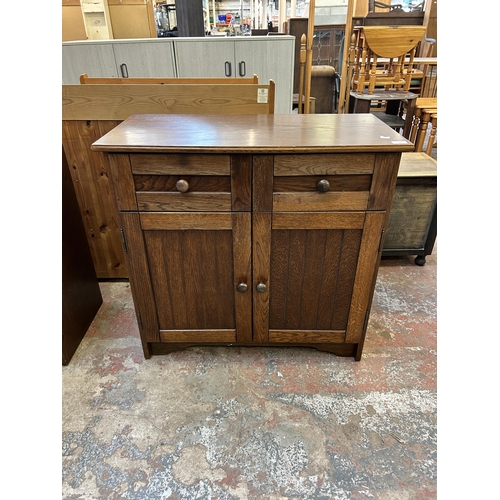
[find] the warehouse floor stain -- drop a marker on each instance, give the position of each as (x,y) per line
(257,423)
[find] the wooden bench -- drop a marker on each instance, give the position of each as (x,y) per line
(90,111)
(85,79)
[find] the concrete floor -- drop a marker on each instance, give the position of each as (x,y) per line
(257,423)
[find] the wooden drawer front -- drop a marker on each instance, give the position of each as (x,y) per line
(173,183)
(180,164)
(298,178)
(346,192)
(204,193)
(323,164)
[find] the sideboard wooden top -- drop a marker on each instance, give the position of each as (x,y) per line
(286,133)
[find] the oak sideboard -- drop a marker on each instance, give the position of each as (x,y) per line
(253,230)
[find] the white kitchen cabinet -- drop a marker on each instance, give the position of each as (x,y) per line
(270,58)
(139,58)
(148,59)
(97,59)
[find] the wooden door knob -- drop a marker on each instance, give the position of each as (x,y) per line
(182,185)
(323,185)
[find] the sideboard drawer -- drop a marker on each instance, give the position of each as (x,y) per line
(182,182)
(324,164)
(180,164)
(322,182)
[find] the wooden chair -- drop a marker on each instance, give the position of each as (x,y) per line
(383,57)
(85,79)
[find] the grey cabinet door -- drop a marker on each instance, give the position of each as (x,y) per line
(270,58)
(95,59)
(148,59)
(205,57)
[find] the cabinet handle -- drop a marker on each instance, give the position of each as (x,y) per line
(242,288)
(323,186)
(182,186)
(124,70)
(227,68)
(261,288)
(242,68)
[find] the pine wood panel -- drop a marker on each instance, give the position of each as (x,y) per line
(85,79)
(90,174)
(118,102)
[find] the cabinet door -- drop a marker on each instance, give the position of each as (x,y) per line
(205,58)
(318,270)
(145,59)
(95,59)
(197,266)
(269,59)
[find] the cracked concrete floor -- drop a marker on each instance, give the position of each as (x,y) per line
(257,423)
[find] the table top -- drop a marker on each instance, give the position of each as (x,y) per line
(386,95)
(282,133)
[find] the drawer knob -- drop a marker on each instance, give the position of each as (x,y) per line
(242,287)
(323,186)
(261,287)
(182,185)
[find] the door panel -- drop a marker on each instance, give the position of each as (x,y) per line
(205,58)
(195,271)
(312,278)
(145,60)
(313,261)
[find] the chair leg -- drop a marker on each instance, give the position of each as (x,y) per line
(422,130)
(432,136)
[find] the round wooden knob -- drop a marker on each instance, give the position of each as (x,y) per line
(242,287)
(182,185)
(261,287)
(323,186)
